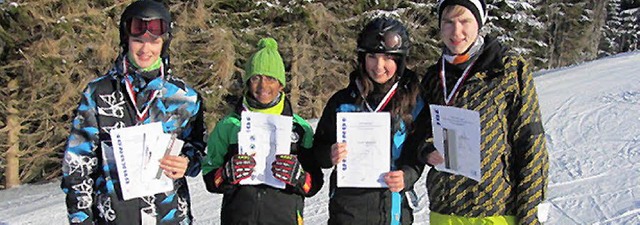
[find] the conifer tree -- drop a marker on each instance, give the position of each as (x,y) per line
(630,30)
(516,24)
(569,33)
(609,43)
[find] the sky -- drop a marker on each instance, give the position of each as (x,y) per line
(591,115)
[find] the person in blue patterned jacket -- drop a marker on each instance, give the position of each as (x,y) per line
(139,89)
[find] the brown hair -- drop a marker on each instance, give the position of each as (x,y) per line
(454,10)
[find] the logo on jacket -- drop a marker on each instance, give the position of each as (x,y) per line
(115,105)
(294,137)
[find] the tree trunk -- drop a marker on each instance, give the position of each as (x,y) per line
(12,171)
(599,19)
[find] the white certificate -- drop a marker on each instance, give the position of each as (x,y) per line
(369,145)
(137,151)
(263,136)
(456,134)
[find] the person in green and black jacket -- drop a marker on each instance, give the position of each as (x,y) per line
(224,168)
(480,74)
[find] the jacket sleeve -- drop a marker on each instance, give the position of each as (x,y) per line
(314,178)
(408,162)
(529,147)
(214,180)
(194,140)
(325,135)
(421,138)
(223,137)
(80,161)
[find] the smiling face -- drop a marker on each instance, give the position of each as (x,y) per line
(458,29)
(145,51)
(380,67)
(265,89)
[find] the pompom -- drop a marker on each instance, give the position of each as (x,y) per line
(268,43)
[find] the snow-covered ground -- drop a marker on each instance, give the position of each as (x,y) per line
(591,114)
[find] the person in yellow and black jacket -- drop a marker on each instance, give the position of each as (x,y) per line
(380,83)
(478,73)
(224,168)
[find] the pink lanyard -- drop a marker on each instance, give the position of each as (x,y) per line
(449,99)
(141,114)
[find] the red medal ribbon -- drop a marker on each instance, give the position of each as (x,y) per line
(448,100)
(383,103)
(141,115)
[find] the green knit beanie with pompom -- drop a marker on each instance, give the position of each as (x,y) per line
(266,62)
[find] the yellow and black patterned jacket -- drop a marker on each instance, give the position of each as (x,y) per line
(514,158)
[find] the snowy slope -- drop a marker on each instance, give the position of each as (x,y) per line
(592,118)
(591,114)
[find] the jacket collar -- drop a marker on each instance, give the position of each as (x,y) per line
(286,111)
(488,63)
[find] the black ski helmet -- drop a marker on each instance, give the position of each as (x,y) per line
(384,35)
(147,10)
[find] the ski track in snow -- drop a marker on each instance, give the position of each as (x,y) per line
(591,114)
(592,125)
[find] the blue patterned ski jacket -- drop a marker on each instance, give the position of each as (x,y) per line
(90,179)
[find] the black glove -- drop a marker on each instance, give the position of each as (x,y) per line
(240,167)
(287,168)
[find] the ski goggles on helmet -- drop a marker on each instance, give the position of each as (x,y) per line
(391,40)
(137,27)
(385,42)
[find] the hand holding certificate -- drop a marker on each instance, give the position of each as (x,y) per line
(263,136)
(367,137)
(137,151)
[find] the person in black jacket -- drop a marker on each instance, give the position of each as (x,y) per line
(478,73)
(139,89)
(381,81)
(224,168)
